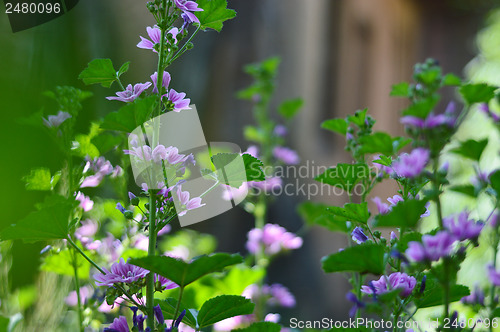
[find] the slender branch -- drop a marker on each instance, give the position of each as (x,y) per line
(77,288)
(150,279)
(177,307)
(184,47)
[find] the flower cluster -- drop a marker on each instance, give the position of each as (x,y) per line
(272,239)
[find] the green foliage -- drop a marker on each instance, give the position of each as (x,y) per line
(183,273)
(345,176)
(50,222)
(433,294)
(168,306)
(235,169)
(404,214)
(495,181)
(477,93)
(101,71)
(130,116)
(351,212)
(471,149)
(422,108)
(381,142)
(316,214)
(68,99)
(364,258)
(41,179)
(214,14)
(451,80)
(466,189)
(400,90)
(105,142)
(336,125)
(222,307)
(61,263)
(260,327)
(289,108)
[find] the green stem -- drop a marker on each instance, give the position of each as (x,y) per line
(150,280)
(184,47)
(77,288)
(493,288)
(177,307)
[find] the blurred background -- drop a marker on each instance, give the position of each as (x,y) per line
(339,55)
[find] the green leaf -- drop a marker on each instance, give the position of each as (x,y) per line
(235,169)
(422,108)
(99,71)
(364,258)
(130,116)
(4,323)
(381,142)
(400,90)
(222,307)
(316,214)
(50,222)
(289,108)
(260,327)
(235,280)
(61,263)
(336,125)
(105,142)
(358,118)
(183,273)
(84,147)
(351,212)
(471,149)
(404,214)
(434,295)
(466,189)
(477,93)
(41,179)
(402,244)
(253,134)
(451,80)
(123,69)
(168,306)
(495,181)
(344,176)
(214,14)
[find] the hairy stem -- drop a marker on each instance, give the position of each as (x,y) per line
(150,280)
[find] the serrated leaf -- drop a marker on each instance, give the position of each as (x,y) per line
(99,71)
(214,14)
(183,273)
(130,116)
(235,169)
(260,327)
(477,93)
(61,263)
(358,118)
(41,179)
(123,69)
(351,212)
(50,222)
(400,90)
(335,125)
(451,80)
(168,306)
(364,258)
(471,149)
(403,214)
(289,108)
(344,176)
(316,214)
(222,307)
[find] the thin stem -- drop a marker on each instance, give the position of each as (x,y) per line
(183,48)
(181,292)
(150,280)
(210,189)
(77,288)
(493,287)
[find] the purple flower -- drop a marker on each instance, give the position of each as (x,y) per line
(155,36)
(92,181)
(464,228)
(476,297)
(358,235)
(411,165)
(432,120)
(269,184)
(166,283)
(280,130)
(138,320)
(187,7)
(131,93)
(382,169)
(186,203)
(286,155)
(384,208)
(120,207)
(253,150)
(396,280)
(86,231)
(187,21)
(165,80)
(273,238)
(486,109)
(72,299)
(432,248)
(493,275)
(177,99)
(120,272)
(159,314)
(357,303)
(280,295)
(118,325)
(85,202)
(54,121)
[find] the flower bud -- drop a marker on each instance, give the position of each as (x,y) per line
(128,214)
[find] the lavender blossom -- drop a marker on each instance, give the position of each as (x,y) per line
(357,304)
(178,100)
(85,202)
(280,295)
(432,248)
(85,293)
(280,130)
(187,7)
(433,120)
(384,208)
(396,280)
(118,325)
(54,121)
(120,272)
(463,228)
(493,275)
(286,155)
(131,93)
(476,297)
(165,80)
(154,34)
(486,110)
(358,235)
(411,165)
(268,185)
(273,238)
(186,203)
